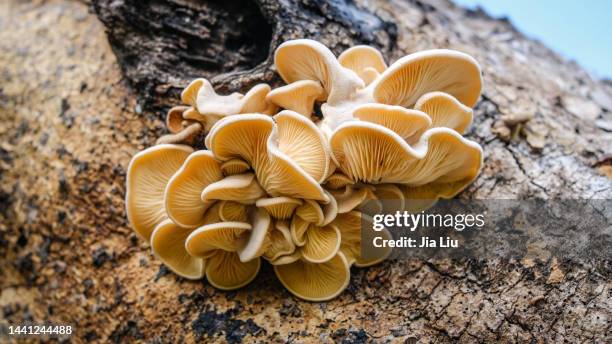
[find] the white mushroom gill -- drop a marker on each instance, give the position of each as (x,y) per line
(290,175)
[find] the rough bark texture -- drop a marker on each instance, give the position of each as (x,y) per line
(73,113)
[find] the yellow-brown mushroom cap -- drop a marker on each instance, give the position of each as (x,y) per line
(364,60)
(299,96)
(315,281)
(445,111)
(279,207)
(168,245)
(407,123)
(238,187)
(227,236)
(182,195)
(225,271)
(410,77)
(280,242)
(147,176)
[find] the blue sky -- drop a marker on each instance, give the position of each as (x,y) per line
(579,30)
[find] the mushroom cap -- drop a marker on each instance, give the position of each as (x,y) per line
(392,197)
(298,230)
(225,271)
(440,155)
(205,241)
(279,207)
(175,120)
(305,59)
(320,243)
(234,166)
(237,187)
(208,102)
(231,211)
(242,137)
(147,175)
(168,245)
(256,243)
(186,136)
(190,93)
(338,181)
(364,60)
(406,123)
(351,197)
(298,96)
(311,211)
(444,70)
(280,242)
(182,195)
(445,111)
(254,100)
(315,281)
(304,143)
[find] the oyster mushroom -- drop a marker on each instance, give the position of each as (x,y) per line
(445,111)
(182,195)
(147,175)
(279,207)
(299,96)
(168,245)
(364,60)
(314,281)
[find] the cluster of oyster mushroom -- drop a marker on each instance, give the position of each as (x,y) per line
(293,187)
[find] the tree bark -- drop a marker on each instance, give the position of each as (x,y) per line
(73,113)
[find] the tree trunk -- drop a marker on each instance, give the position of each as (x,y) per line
(73,113)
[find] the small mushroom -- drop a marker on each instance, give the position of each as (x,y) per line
(304,59)
(168,245)
(187,136)
(234,166)
(320,243)
(351,226)
(147,176)
(311,212)
(406,123)
(219,244)
(445,111)
(338,181)
(238,187)
(315,281)
(182,195)
(410,77)
(299,96)
(279,207)
(231,211)
(364,60)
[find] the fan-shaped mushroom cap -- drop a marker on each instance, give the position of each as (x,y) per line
(147,176)
(225,271)
(231,211)
(182,195)
(187,136)
(303,143)
(256,139)
(315,281)
(445,111)
(205,241)
(280,242)
(190,93)
(392,197)
(338,181)
(254,100)
(330,210)
(168,245)
(351,226)
(364,60)
(234,166)
(304,59)
(404,122)
(298,96)
(279,207)
(311,212)
(320,243)
(351,197)
(443,70)
(212,214)
(238,187)
(371,153)
(174,119)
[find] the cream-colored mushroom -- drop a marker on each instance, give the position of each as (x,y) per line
(279,207)
(231,211)
(257,140)
(445,111)
(182,197)
(304,59)
(147,176)
(410,77)
(219,244)
(408,124)
(315,281)
(299,96)
(239,187)
(364,60)
(208,102)
(168,245)
(234,166)
(374,154)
